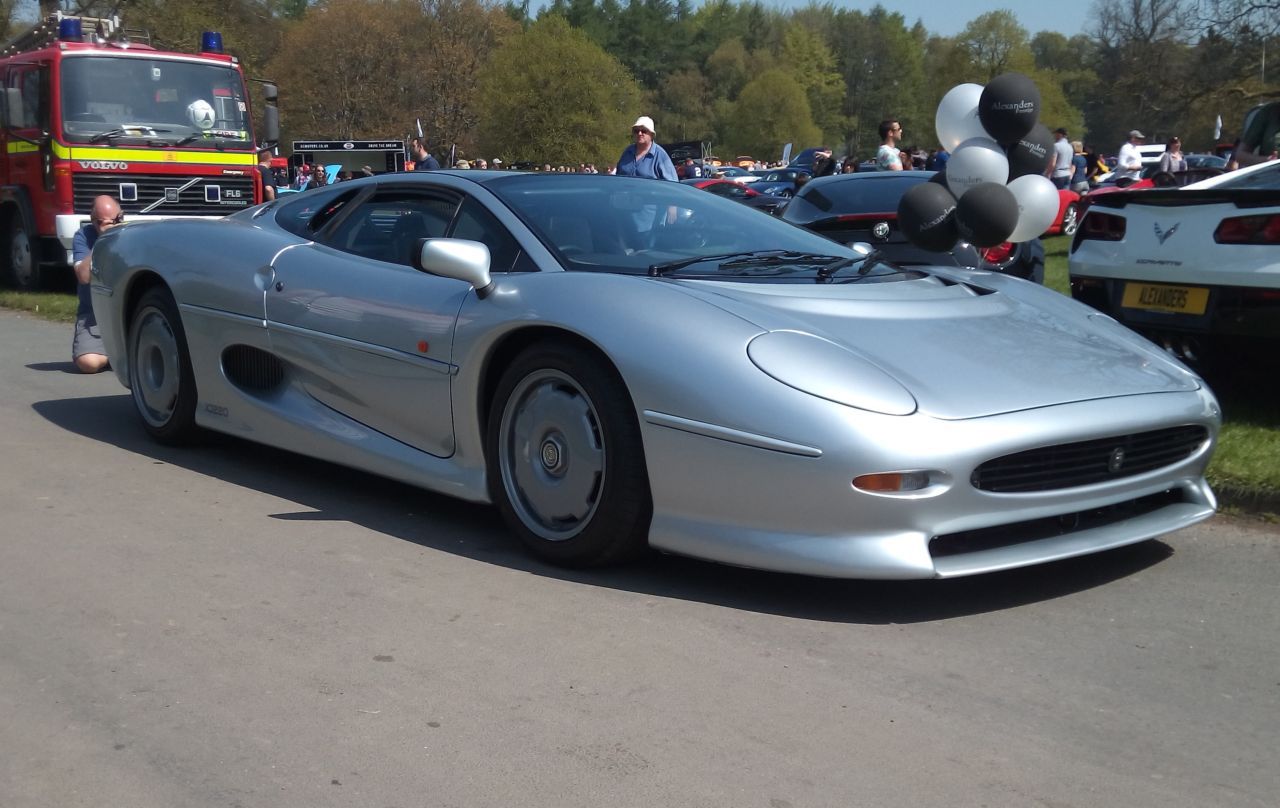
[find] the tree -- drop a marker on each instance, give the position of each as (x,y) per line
(995,43)
(686,108)
(809,59)
(550,94)
(882,62)
(772,110)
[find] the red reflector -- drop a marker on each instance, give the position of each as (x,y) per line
(422,346)
(1262,229)
(998,253)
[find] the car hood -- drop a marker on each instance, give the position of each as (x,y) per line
(964,349)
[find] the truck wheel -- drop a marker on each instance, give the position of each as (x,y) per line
(22,270)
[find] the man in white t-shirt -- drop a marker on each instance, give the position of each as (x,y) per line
(1129,164)
(889,157)
(1062,154)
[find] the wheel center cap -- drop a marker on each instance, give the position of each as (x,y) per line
(552,454)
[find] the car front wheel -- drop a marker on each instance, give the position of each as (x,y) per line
(566,464)
(160,375)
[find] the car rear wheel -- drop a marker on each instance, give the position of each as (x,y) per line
(1070,219)
(565,460)
(160,375)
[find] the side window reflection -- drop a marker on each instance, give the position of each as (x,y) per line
(478,224)
(388,226)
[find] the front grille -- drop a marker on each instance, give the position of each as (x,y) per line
(1091,461)
(991,538)
(215,195)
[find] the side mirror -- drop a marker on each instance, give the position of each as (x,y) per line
(271,125)
(270,92)
(459,259)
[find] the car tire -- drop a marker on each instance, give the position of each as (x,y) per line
(565,459)
(160,376)
(1070,220)
(21,265)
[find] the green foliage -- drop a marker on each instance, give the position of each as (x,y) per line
(771,110)
(551,94)
(809,59)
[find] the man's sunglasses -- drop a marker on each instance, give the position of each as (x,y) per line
(637,130)
(117,220)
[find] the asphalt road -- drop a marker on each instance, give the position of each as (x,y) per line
(235,626)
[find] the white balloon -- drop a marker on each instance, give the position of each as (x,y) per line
(977,160)
(1037,205)
(957,118)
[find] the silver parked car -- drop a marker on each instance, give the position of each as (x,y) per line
(620,363)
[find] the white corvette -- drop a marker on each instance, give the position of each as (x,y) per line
(1189,267)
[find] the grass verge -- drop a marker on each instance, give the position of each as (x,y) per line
(57,306)
(1244,472)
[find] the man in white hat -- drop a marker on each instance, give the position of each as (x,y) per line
(644,158)
(1129,163)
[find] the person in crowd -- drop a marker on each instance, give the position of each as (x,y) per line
(1260,137)
(644,158)
(940,159)
(918,158)
(1129,165)
(304,177)
(1079,168)
(1172,160)
(1095,162)
(480,163)
(690,170)
(268,176)
(319,178)
(462,164)
(422,159)
(366,171)
(889,158)
(1062,157)
(849,166)
(87,350)
(343,175)
(824,165)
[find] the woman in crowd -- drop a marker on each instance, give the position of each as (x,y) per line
(1172,160)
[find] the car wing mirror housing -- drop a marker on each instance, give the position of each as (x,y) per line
(457,258)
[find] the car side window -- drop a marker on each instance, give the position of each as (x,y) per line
(387,226)
(478,224)
(308,212)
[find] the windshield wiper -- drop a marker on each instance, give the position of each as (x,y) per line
(187,139)
(123,131)
(753,258)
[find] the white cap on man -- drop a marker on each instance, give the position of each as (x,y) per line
(644,122)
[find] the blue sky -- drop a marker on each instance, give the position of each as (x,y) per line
(948,17)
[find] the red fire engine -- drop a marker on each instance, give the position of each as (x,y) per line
(88,110)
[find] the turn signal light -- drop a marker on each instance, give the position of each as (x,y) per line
(1262,229)
(892,482)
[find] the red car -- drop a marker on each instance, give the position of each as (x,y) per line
(740,193)
(1069,212)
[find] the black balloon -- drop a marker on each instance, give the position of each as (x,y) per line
(1009,107)
(1032,152)
(926,216)
(987,214)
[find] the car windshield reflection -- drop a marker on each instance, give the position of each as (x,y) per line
(626,225)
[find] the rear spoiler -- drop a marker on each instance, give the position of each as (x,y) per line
(1178,197)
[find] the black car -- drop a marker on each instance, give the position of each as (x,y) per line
(863,207)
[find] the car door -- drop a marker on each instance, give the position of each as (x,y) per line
(370,334)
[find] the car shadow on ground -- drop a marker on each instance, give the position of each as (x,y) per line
(327,492)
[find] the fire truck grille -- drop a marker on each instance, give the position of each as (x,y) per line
(165,194)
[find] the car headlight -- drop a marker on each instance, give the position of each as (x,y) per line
(822,368)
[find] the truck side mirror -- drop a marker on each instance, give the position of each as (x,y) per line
(271,124)
(270,92)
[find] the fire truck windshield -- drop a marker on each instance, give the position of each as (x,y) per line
(110,98)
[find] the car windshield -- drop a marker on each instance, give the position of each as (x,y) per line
(627,225)
(108,98)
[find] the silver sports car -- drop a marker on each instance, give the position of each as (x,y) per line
(619,364)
